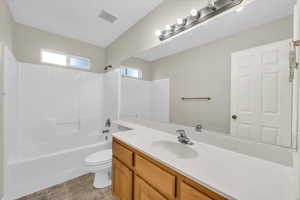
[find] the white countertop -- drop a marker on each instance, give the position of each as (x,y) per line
(234,175)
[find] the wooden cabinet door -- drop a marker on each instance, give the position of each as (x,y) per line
(143,191)
(121,181)
(190,193)
(160,179)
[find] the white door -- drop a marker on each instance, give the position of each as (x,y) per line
(297,38)
(261,95)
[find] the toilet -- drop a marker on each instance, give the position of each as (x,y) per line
(100,164)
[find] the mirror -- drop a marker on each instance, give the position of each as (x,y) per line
(232,79)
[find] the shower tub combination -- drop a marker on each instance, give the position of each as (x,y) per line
(25,176)
(53,119)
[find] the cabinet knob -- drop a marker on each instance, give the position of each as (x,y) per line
(234,117)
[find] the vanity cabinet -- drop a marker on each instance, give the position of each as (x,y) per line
(136,176)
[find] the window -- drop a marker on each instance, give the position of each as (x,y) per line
(54,58)
(131,72)
(78,62)
(57,58)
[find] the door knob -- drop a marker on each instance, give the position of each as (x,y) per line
(234,117)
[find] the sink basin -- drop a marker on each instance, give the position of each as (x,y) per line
(175,148)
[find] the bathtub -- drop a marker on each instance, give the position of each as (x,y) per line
(28,175)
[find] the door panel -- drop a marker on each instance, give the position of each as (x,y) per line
(244,100)
(297,37)
(261,94)
(121,181)
(159,179)
(143,191)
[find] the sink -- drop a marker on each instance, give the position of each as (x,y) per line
(175,148)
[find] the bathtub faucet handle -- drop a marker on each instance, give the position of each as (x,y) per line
(107,123)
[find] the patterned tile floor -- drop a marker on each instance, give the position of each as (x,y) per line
(80,188)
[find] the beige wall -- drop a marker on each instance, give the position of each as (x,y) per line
(6,38)
(205,71)
(29,41)
(6,24)
(1,124)
(137,63)
(141,36)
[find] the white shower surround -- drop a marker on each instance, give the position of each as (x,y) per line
(55,106)
(147,100)
(53,120)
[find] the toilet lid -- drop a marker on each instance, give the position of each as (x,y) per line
(100,157)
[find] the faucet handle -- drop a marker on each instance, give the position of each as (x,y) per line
(198,128)
(107,123)
(181,132)
(183,138)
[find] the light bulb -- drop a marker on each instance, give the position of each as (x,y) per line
(211,4)
(168,27)
(158,32)
(179,21)
(240,9)
(194,12)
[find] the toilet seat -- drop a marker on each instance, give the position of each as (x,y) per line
(99,158)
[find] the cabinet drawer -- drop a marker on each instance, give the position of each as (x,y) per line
(188,192)
(144,191)
(198,192)
(123,154)
(161,180)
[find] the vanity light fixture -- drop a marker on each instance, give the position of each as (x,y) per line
(212,5)
(181,22)
(170,27)
(214,8)
(158,33)
(195,13)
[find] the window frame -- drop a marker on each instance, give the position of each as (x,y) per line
(140,72)
(78,57)
(55,52)
(68,59)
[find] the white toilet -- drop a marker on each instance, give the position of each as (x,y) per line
(100,164)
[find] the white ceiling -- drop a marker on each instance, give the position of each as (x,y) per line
(78,19)
(256,12)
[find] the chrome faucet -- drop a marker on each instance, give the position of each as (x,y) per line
(198,128)
(183,138)
(107,125)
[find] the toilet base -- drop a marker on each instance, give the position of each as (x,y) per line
(102,179)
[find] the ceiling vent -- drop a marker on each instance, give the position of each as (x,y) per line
(107,16)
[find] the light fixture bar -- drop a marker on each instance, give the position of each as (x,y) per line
(204,14)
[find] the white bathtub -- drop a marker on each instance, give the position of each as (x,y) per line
(25,176)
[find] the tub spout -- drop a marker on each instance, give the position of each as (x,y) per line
(105,131)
